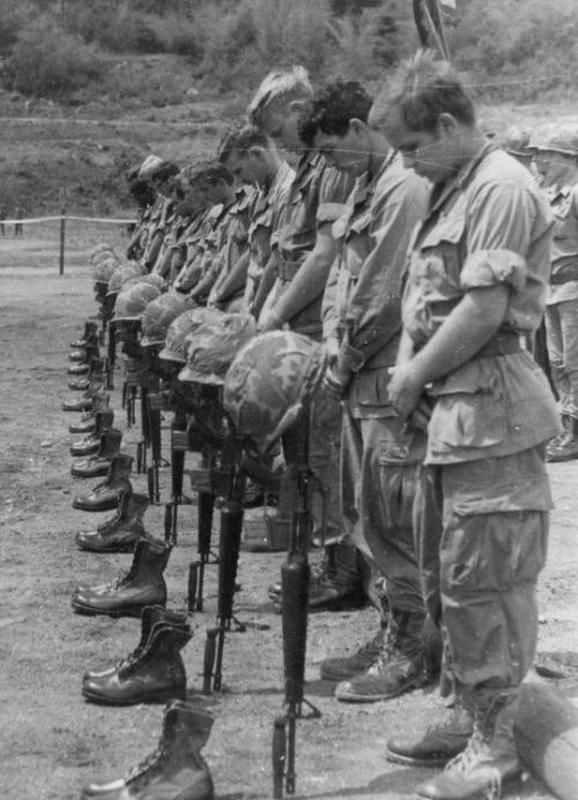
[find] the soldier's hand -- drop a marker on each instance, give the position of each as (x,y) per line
(332,350)
(404,390)
(336,380)
(269,321)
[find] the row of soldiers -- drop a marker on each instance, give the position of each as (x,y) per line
(391,232)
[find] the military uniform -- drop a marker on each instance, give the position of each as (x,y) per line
(267,218)
(562,302)
(362,311)
(486,226)
(316,197)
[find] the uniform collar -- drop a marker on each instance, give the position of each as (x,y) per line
(457,182)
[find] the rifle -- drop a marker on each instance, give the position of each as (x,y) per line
(295,591)
(430,28)
(229,484)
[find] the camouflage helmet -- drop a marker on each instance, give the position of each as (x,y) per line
(120,276)
(268,382)
(210,349)
(132,301)
(159,314)
(100,252)
(563,141)
(102,272)
(516,141)
(180,328)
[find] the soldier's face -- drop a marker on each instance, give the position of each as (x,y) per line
(282,125)
(247,168)
(433,155)
(350,153)
(555,167)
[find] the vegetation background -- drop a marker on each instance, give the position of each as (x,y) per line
(190,66)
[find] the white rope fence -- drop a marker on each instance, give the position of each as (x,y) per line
(62,219)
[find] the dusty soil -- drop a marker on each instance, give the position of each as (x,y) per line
(51,741)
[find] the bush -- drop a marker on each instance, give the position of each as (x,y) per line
(48,61)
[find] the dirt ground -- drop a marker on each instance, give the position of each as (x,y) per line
(51,740)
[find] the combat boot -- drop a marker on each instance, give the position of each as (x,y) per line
(336,584)
(176,770)
(105,496)
(439,743)
(89,334)
(342,668)
(121,533)
(150,617)
(565,447)
(92,442)
(87,422)
(489,759)
(156,675)
(401,666)
(86,402)
(94,376)
(99,464)
(143,585)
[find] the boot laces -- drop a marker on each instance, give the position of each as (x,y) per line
(111,523)
(150,762)
(117,582)
(470,758)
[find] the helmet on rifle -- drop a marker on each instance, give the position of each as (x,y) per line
(563,141)
(159,314)
(103,270)
(210,349)
(180,328)
(100,252)
(269,381)
(516,141)
(132,301)
(120,276)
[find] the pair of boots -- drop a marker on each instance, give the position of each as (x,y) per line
(153,672)
(143,585)
(87,401)
(404,655)
(98,463)
(176,770)
(86,374)
(87,422)
(91,442)
(337,584)
(106,495)
(565,446)
(120,533)
(88,336)
(476,744)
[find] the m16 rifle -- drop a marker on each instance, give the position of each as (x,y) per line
(295,575)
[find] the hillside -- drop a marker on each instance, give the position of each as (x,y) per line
(46,146)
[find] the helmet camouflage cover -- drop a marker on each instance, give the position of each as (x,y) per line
(181,327)
(211,348)
(103,270)
(268,382)
(132,301)
(159,314)
(120,276)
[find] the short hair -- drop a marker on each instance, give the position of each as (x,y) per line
(240,139)
(333,108)
(208,172)
(164,171)
(278,88)
(421,89)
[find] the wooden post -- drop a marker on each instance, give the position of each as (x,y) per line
(62,229)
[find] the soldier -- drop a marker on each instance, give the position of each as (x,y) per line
(160,175)
(226,243)
(476,282)
(361,328)
(252,158)
(559,158)
(290,294)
